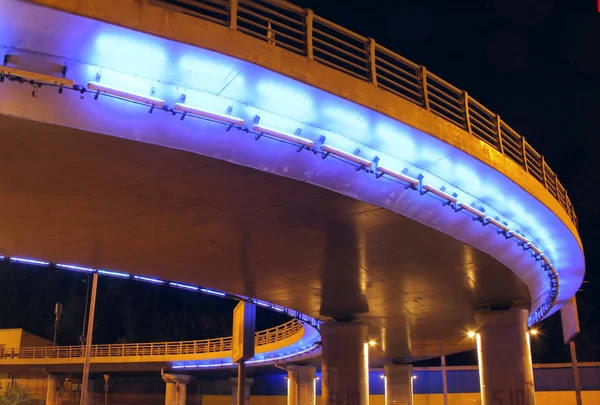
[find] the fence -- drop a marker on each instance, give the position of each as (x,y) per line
(300,31)
(261,338)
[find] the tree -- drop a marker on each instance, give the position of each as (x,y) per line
(16,395)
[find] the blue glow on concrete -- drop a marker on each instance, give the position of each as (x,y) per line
(392,138)
(138,54)
(348,121)
(285,100)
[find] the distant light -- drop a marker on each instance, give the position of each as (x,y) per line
(382,376)
(184,286)
(372,343)
(534,332)
(76,268)
(414,377)
(149,280)
(113,273)
(317,378)
(471,334)
(29,261)
(213,292)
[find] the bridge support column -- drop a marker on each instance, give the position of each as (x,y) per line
(345,363)
(505,369)
(51,391)
(301,385)
(176,390)
(249,383)
(398,384)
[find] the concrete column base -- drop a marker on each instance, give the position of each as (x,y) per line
(234,383)
(505,369)
(398,384)
(52,391)
(301,385)
(176,391)
(345,357)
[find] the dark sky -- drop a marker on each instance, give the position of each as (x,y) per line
(535,62)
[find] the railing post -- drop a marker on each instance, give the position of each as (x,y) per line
(233,11)
(309,33)
(524,148)
(467,114)
(499,125)
(424,87)
(373,61)
(544,173)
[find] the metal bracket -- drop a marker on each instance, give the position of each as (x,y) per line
(182,115)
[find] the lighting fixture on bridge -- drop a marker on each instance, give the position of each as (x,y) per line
(100,88)
(412,182)
(213,292)
(36,77)
(113,273)
(440,193)
(372,343)
(184,286)
(494,221)
(76,268)
(303,142)
(534,249)
(149,279)
(534,332)
(224,118)
(471,334)
(518,236)
(478,214)
(29,261)
(414,377)
(354,158)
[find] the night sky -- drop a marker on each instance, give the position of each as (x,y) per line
(534,62)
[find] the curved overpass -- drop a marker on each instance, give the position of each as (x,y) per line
(292,341)
(486,222)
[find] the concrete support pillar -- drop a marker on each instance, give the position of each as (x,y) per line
(345,363)
(51,391)
(301,385)
(175,393)
(505,369)
(398,384)
(234,383)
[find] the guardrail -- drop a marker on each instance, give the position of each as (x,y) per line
(215,345)
(300,31)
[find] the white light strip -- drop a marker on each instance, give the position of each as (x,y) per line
(345,155)
(284,136)
(535,248)
(228,119)
(148,279)
(519,237)
(114,273)
(184,286)
(76,268)
(124,94)
(29,261)
(472,210)
(398,176)
(439,193)
(497,224)
(213,292)
(36,77)
(547,261)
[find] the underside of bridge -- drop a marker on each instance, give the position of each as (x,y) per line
(78,197)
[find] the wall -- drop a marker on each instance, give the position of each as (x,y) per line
(10,338)
(29,340)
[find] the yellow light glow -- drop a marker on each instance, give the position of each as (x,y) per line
(534,332)
(471,334)
(372,343)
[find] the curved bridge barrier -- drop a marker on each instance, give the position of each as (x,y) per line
(300,31)
(272,341)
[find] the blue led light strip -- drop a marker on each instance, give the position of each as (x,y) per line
(293,314)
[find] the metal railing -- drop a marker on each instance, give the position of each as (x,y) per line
(298,30)
(215,345)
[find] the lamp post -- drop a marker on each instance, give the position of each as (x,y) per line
(88,343)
